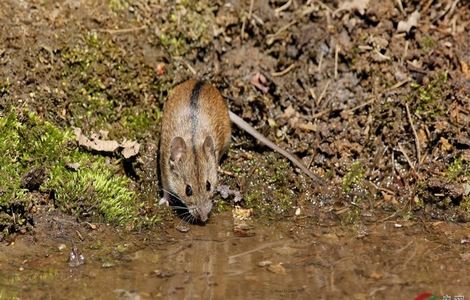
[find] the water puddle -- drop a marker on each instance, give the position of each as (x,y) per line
(382,261)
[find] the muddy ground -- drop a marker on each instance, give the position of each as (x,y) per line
(373,97)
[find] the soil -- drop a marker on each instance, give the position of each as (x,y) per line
(372,99)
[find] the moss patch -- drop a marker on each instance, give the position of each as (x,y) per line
(94,189)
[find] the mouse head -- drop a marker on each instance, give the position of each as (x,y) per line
(193,176)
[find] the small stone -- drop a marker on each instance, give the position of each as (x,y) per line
(265,263)
(277,269)
(62,247)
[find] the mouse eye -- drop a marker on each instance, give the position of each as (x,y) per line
(208,186)
(189,190)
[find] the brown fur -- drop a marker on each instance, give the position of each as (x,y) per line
(196,167)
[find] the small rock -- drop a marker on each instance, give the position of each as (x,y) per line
(62,247)
(265,263)
(277,269)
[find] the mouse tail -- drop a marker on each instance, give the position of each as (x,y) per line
(257,135)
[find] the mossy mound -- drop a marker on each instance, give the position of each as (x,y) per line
(40,157)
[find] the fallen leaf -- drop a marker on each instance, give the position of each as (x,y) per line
(160,70)
(405,26)
(72,166)
(465,69)
(131,148)
(359,5)
(98,142)
(260,81)
(307,126)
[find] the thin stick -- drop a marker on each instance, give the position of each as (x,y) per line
(323,92)
(336,61)
(397,85)
(406,157)
(400,6)
(321,113)
(320,62)
(284,72)
(125,30)
(418,150)
(361,105)
(283,7)
(272,37)
(250,11)
(190,68)
(405,53)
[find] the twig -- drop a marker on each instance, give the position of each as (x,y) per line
(250,12)
(312,93)
(321,113)
(125,30)
(252,2)
(418,150)
(272,37)
(320,62)
(325,6)
(190,68)
(405,52)
(336,61)
(400,6)
(232,258)
(360,105)
(406,157)
(283,72)
(323,92)
(283,7)
(397,85)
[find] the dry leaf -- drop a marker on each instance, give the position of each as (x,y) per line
(260,81)
(131,148)
(98,142)
(405,26)
(465,69)
(359,5)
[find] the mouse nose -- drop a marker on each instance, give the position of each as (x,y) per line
(203,216)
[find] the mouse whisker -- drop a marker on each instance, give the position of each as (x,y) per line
(172,194)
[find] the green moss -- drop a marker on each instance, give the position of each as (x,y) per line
(118,5)
(269,191)
(458,168)
(103,85)
(5,86)
(353,177)
(428,98)
(188,27)
(428,43)
(7,294)
(96,189)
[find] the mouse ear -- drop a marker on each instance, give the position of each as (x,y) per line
(177,150)
(208,147)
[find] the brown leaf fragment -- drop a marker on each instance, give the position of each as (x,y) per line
(260,81)
(105,146)
(405,26)
(465,69)
(359,5)
(95,143)
(130,149)
(72,166)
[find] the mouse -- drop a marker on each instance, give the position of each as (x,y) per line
(196,130)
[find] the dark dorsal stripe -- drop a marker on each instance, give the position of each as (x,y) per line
(194,110)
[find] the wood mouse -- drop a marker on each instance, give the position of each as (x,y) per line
(195,133)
